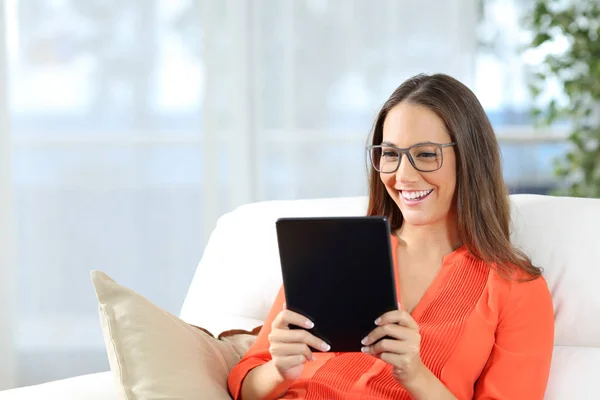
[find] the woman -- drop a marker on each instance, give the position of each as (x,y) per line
(476,317)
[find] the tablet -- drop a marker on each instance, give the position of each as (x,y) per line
(339,273)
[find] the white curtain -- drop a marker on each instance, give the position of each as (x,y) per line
(320,71)
(134,124)
(7,266)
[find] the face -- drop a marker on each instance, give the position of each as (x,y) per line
(424,198)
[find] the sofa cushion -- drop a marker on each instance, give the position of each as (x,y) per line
(155,355)
(574,374)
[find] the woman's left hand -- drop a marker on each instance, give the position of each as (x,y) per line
(401,348)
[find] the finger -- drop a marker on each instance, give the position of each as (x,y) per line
(390,330)
(398,317)
(387,346)
(298,336)
(290,349)
(285,318)
(287,362)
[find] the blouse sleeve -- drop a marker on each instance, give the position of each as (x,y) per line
(519,363)
(258,354)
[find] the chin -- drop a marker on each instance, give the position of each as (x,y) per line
(419,217)
(416,220)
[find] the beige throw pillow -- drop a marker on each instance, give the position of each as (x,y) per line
(155,355)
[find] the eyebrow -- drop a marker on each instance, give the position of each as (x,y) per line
(388,144)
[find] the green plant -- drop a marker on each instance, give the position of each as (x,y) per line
(575,23)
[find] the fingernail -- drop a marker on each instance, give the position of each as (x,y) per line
(364,341)
(364,349)
(325,346)
(377,321)
(309,324)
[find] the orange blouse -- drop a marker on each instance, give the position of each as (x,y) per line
(483,336)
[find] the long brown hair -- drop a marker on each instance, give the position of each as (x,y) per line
(481,197)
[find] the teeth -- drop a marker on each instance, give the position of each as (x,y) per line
(415,194)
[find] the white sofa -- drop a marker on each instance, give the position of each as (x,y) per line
(561,234)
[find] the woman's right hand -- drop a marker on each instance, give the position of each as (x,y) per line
(290,348)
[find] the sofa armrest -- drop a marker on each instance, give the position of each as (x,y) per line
(99,386)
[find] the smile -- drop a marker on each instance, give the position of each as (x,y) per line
(414,196)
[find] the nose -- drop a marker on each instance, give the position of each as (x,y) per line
(406,173)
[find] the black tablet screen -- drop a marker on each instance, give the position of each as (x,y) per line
(339,273)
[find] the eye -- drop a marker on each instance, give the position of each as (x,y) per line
(389,154)
(425,154)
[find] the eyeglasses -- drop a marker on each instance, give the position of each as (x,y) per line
(424,157)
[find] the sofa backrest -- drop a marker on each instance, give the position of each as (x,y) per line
(239,274)
(562,235)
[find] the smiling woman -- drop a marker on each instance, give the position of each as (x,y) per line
(439,109)
(475,317)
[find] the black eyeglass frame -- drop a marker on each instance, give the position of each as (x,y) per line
(406,151)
